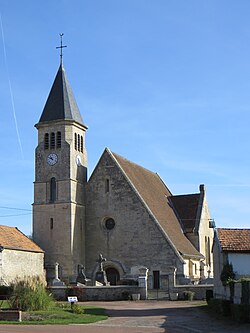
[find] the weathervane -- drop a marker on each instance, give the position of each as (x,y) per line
(61,47)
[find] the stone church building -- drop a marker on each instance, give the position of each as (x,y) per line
(123,211)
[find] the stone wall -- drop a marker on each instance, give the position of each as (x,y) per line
(18,264)
(110,293)
(198,290)
(136,239)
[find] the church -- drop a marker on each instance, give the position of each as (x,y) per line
(123,211)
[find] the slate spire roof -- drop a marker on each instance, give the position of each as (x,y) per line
(61,103)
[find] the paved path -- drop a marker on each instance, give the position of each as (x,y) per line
(143,317)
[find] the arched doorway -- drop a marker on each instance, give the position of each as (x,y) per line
(113,276)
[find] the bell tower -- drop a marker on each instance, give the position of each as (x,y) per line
(60,179)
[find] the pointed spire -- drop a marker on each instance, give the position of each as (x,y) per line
(61,103)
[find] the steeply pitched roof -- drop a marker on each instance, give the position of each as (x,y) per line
(186,207)
(61,103)
(156,196)
(12,238)
(234,240)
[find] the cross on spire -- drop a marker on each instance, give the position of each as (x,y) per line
(61,47)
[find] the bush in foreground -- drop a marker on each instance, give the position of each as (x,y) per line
(30,294)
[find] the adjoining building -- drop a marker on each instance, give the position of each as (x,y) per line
(20,257)
(231,246)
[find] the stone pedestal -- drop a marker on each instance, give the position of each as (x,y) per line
(56,281)
(101,277)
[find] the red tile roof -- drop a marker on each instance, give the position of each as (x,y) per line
(12,238)
(156,195)
(234,240)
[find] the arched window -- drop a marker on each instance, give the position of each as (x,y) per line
(52,140)
(58,139)
(52,189)
(75,141)
(46,141)
(107,185)
(81,144)
(208,252)
(78,142)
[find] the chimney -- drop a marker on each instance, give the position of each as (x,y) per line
(202,188)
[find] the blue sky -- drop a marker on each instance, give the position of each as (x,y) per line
(164,83)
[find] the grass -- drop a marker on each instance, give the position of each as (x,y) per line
(61,314)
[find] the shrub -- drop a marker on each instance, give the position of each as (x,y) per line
(125,295)
(209,295)
(227,274)
(30,294)
(239,313)
(215,305)
(188,295)
(226,308)
(77,309)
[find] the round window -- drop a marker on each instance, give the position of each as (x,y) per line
(109,224)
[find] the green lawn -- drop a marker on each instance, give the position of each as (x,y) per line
(62,314)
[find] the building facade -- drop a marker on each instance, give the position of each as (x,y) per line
(123,211)
(231,246)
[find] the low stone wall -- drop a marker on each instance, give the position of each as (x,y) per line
(199,290)
(237,293)
(11,315)
(98,293)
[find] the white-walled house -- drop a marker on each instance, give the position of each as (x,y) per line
(230,246)
(19,256)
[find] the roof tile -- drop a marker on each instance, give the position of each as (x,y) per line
(12,238)
(186,207)
(234,240)
(156,195)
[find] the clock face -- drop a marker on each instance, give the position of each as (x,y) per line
(78,160)
(52,159)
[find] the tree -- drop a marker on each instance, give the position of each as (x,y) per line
(227,274)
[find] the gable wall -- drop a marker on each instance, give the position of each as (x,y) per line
(136,239)
(206,236)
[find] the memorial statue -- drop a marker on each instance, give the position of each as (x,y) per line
(100,275)
(101,260)
(81,277)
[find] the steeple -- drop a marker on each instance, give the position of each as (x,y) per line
(61,103)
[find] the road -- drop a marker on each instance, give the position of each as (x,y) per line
(143,317)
